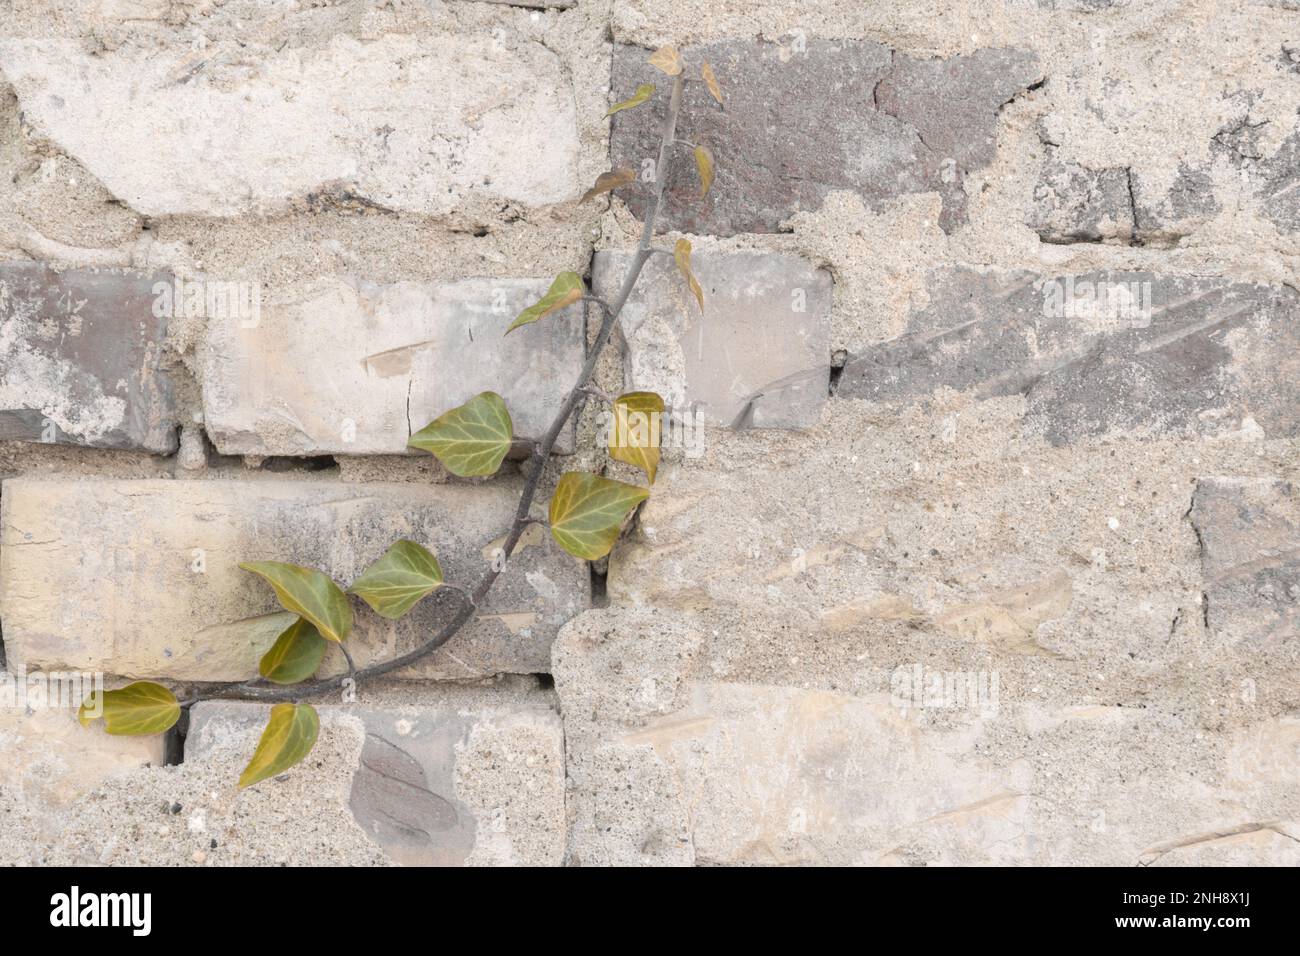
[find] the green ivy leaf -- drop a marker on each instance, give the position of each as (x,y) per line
(643,93)
(295,655)
(634,437)
(405,574)
(289,736)
(608,182)
(140,708)
(587,512)
(310,594)
(471,441)
(564,291)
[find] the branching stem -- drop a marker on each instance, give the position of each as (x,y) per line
(468,601)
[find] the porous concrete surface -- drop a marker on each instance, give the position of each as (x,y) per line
(1100,515)
(447,776)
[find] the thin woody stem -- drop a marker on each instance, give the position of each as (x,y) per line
(469,602)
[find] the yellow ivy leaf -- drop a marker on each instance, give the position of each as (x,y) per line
(608,182)
(139,708)
(643,93)
(564,291)
(704,163)
(711,81)
(289,736)
(667,59)
(587,512)
(682,253)
(471,440)
(308,593)
(634,437)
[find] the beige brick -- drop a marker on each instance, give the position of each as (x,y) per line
(140,578)
(354,368)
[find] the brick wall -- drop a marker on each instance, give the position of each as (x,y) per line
(984,550)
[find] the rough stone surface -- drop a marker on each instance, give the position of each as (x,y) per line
(82,358)
(836,115)
(354,368)
(194,814)
(50,760)
(676,758)
(141,578)
(737,697)
(1076,204)
(759,353)
(1249,530)
(1099,351)
(1279,189)
(948,527)
(396,123)
(446,777)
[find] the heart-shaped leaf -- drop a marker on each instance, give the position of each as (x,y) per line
(608,182)
(310,594)
(682,254)
(405,574)
(564,291)
(704,163)
(643,93)
(635,436)
(667,59)
(140,708)
(295,655)
(587,512)
(471,441)
(289,736)
(711,81)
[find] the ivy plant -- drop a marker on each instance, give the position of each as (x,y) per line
(585,516)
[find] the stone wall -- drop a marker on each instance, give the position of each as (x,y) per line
(986,550)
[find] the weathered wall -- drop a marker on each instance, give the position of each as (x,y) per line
(961,569)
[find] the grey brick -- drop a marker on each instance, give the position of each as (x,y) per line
(1249,530)
(844,115)
(759,355)
(82,358)
(1279,187)
(1073,203)
(1207,354)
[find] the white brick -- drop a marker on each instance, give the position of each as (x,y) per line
(419,124)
